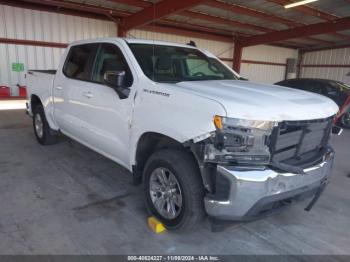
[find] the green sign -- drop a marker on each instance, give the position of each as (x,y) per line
(17,67)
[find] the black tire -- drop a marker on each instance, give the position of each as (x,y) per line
(182,165)
(345,120)
(48,136)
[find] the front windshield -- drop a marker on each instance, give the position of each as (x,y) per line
(172,64)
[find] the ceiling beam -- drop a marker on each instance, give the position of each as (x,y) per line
(308,10)
(137,3)
(53,9)
(344,44)
(305,31)
(238,9)
(80,7)
(220,20)
(104,14)
(96,12)
(157,11)
(32,43)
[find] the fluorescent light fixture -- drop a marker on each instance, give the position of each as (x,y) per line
(299,3)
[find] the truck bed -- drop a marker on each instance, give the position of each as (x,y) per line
(40,83)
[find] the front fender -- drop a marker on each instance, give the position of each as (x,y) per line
(176,114)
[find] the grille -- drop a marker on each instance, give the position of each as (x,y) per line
(300,143)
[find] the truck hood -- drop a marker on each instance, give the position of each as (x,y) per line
(254,101)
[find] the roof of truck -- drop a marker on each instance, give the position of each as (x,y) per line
(130,41)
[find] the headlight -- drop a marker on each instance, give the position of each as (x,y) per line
(240,141)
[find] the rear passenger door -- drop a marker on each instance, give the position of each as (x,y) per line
(69,86)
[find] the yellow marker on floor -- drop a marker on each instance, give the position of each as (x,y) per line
(156,225)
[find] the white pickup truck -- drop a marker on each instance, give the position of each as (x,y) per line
(200,139)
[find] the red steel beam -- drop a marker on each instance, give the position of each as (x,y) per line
(308,30)
(329,65)
(80,7)
(53,9)
(137,3)
(263,63)
(121,32)
(254,62)
(156,12)
(322,48)
(237,57)
(32,43)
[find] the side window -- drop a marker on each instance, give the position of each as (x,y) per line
(110,58)
(79,61)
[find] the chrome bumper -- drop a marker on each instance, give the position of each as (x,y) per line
(250,194)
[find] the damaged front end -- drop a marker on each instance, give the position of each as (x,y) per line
(236,142)
(250,167)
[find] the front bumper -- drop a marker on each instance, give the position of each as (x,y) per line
(243,195)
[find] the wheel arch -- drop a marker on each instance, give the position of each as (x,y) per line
(34,102)
(150,142)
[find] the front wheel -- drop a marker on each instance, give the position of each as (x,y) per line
(173,189)
(345,120)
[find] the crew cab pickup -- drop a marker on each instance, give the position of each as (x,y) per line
(202,141)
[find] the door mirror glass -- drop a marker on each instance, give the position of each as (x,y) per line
(115,80)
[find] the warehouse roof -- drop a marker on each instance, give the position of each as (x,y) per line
(316,25)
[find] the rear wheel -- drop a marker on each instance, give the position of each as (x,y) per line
(173,189)
(345,120)
(43,133)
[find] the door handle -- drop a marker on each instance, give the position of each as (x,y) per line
(88,94)
(59,87)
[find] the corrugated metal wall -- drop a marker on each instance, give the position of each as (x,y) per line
(266,73)
(18,23)
(328,57)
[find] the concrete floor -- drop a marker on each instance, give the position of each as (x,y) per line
(66,199)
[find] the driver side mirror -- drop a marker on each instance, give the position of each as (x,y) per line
(115,80)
